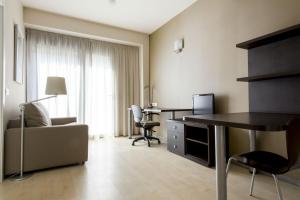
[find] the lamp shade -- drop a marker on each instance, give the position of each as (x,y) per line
(56,86)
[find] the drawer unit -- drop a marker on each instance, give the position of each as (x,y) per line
(176,138)
(174,126)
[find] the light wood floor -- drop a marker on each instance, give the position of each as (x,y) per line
(116,170)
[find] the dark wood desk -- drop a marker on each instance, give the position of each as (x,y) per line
(251,121)
(172,110)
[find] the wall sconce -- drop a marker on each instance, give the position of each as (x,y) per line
(178,45)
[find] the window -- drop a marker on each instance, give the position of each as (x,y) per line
(102,79)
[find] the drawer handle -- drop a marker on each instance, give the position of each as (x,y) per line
(175,136)
(175,146)
(174,127)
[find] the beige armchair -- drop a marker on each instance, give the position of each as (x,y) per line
(63,143)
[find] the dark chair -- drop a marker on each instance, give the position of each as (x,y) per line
(146,125)
(271,163)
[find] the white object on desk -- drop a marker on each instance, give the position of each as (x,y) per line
(154,104)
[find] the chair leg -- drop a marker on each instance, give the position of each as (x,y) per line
(147,139)
(228,165)
(154,138)
(252,181)
(137,139)
(279,193)
(145,132)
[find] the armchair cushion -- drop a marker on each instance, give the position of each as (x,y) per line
(36,115)
(16,123)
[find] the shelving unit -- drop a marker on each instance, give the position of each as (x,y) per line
(269,76)
(274,71)
(193,141)
(197,144)
(271,38)
(274,74)
(198,153)
(196,141)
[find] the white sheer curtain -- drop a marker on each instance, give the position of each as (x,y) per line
(100,90)
(102,79)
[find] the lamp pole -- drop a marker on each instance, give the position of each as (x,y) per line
(21,176)
(54,86)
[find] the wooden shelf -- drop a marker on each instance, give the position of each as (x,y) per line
(272,37)
(269,76)
(202,161)
(196,141)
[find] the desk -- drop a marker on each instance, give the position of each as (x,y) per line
(251,121)
(172,110)
(153,110)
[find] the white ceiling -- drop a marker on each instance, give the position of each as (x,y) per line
(139,15)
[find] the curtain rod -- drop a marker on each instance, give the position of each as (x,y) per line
(82,35)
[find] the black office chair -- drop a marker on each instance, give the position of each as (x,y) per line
(146,125)
(271,163)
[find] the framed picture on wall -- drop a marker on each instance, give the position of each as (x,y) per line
(18,54)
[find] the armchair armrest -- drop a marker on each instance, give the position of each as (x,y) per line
(16,123)
(63,120)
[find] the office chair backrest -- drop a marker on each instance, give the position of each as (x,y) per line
(293,140)
(137,113)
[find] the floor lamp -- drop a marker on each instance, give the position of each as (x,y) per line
(55,86)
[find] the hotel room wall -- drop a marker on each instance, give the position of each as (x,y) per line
(13,14)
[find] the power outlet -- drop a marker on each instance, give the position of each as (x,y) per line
(154,104)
